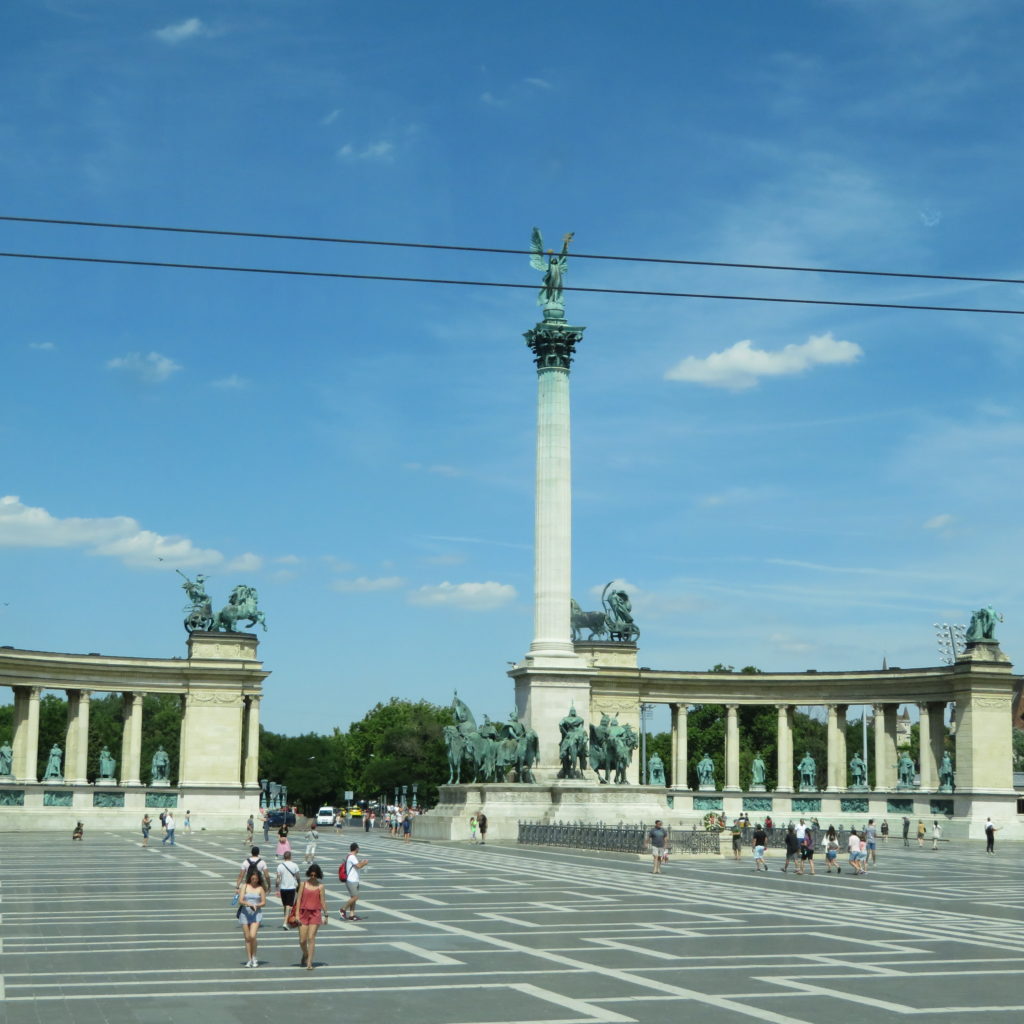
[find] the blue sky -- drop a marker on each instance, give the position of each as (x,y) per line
(778,485)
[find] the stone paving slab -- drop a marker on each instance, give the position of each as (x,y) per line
(105,931)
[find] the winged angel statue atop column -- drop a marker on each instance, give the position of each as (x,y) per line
(554,266)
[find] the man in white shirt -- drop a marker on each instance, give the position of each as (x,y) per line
(287,883)
(254,861)
(169,825)
(353,865)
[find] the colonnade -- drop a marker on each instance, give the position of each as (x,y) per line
(25,741)
(932,733)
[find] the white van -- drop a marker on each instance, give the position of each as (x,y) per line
(325,816)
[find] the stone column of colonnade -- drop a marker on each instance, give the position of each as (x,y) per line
(785,748)
(932,732)
(680,752)
(836,730)
(251,765)
(885,746)
(732,749)
(76,739)
(131,740)
(937,731)
(25,742)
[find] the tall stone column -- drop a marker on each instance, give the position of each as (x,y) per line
(251,766)
(732,748)
(26,733)
(680,751)
(885,746)
(929,768)
(76,739)
(785,748)
(937,731)
(184,775)
(131,740)
(836,747)
(553,343)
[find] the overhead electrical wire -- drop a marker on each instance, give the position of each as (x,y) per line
(512,252)
(500,284)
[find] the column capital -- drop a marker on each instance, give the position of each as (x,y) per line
(783,707)
(553,344)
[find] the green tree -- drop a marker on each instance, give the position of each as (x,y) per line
(313,767)
(1018,750)
(400,743)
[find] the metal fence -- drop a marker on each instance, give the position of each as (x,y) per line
(614,838)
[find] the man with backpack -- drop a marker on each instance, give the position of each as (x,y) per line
(254,861)
(349,874)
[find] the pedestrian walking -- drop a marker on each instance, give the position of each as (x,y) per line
(407,828)
(353,865)
(169,827)
(871,837)
(287,883)
(760,844)
(807,852)
(283,843)
(481,822)
(312,836)
(311,910)
(366,823)
(832,851)
(252,898)
(188,823)
(147,824)
(250,827)
(792,848)
(885,831)
(266,828)
(254,860)
(853,846)
(737,839)
(990,836)
(921,830)
(936,834)
(472,828)
(906,831)
(657,841)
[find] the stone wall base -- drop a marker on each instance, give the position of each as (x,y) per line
(46,806)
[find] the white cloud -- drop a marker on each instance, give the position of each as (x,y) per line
(231,383)
(741,366)
(22,526)
(173,34)
(474,596)
(245,563)
(42,346)
(152,368)
(363,585)
(288,560)
(538,83)
(382,151)
(338,564)
(332,116)
(939,522)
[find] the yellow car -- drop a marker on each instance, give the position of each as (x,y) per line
(355,812)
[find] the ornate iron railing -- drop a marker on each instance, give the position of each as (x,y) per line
(614,838)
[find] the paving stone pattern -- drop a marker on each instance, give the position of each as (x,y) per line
(104,931)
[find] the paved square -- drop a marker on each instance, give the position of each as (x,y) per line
(462,934)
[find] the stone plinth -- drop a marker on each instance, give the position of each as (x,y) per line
(507,804)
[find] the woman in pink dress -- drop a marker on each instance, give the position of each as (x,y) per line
(311,910)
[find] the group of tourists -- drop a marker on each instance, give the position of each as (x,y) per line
(478,828)
(167,825)
(303,900)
